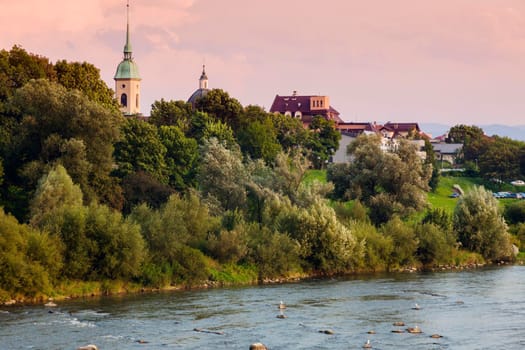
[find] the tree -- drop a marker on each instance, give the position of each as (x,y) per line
(18,67)
(480,226)
(85,77)
(435,244)
(220,131)
(55,191)
(171,113)
(181,157)
(222,175)
(141,149)
(61,126)
(515,212)
(141,187)
(173,235)
(258,139)
(430,160)
(29,259)
(473,139)
(501,159)
(387,182)
(220,106)
(118,247)
(404,241)
(339,175)
(324,141)
(290,132)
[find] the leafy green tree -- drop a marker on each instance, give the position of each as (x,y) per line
(275,254)
(462,133)
(18,67)
(378,248)
(404,242)
(141,187)
(229,246)
(223,175)
(29,259)
(55,190)
(220,106)
(290,169)
(85,77)
(435,245)
(430,160)
(290,133)
(61,126)
(220,131)
(480,225)
(258,139)
(181,156)
(339,175)
(501,159)
(387,183)
(514,213)
(325,245)
(438,217)
(324,141)
(118,250)
(141,149)
(473,139)
(171,113)
(174,235)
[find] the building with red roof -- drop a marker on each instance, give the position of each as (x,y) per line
(305,107)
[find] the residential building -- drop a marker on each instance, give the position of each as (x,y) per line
(305,107)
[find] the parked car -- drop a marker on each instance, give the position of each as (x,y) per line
(454,195)
(518,183)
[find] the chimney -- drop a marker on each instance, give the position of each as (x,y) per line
(294,93)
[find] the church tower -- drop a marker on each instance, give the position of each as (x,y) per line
(202,90)
(203,81)
(127,79)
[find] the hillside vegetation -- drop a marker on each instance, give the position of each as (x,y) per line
(215,194)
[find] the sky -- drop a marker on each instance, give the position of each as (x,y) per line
(447,61)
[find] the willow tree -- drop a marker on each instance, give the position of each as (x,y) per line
(480,226)
(392,182)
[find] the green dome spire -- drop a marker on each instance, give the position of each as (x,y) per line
(127,69)
(127,47)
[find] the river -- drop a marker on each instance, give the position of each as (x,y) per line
(474,309)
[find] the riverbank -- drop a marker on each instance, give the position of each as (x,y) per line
(93,289)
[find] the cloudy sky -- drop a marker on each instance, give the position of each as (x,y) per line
(447,61)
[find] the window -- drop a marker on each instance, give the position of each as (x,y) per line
(123,86)
(124,100)
(288,113)
(137,101)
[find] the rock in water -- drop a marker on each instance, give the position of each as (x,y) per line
(88,347)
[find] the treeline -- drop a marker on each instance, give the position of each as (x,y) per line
(211,193)
(495,158)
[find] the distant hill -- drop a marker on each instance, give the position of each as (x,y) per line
(515,132)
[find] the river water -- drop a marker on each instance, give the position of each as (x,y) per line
(475,309)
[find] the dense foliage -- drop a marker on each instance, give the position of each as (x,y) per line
(215,193)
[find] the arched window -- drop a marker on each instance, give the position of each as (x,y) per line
(124,100)
(288,113)
(137,101)
(298,114)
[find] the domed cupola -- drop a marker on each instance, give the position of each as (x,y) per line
(202,90)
